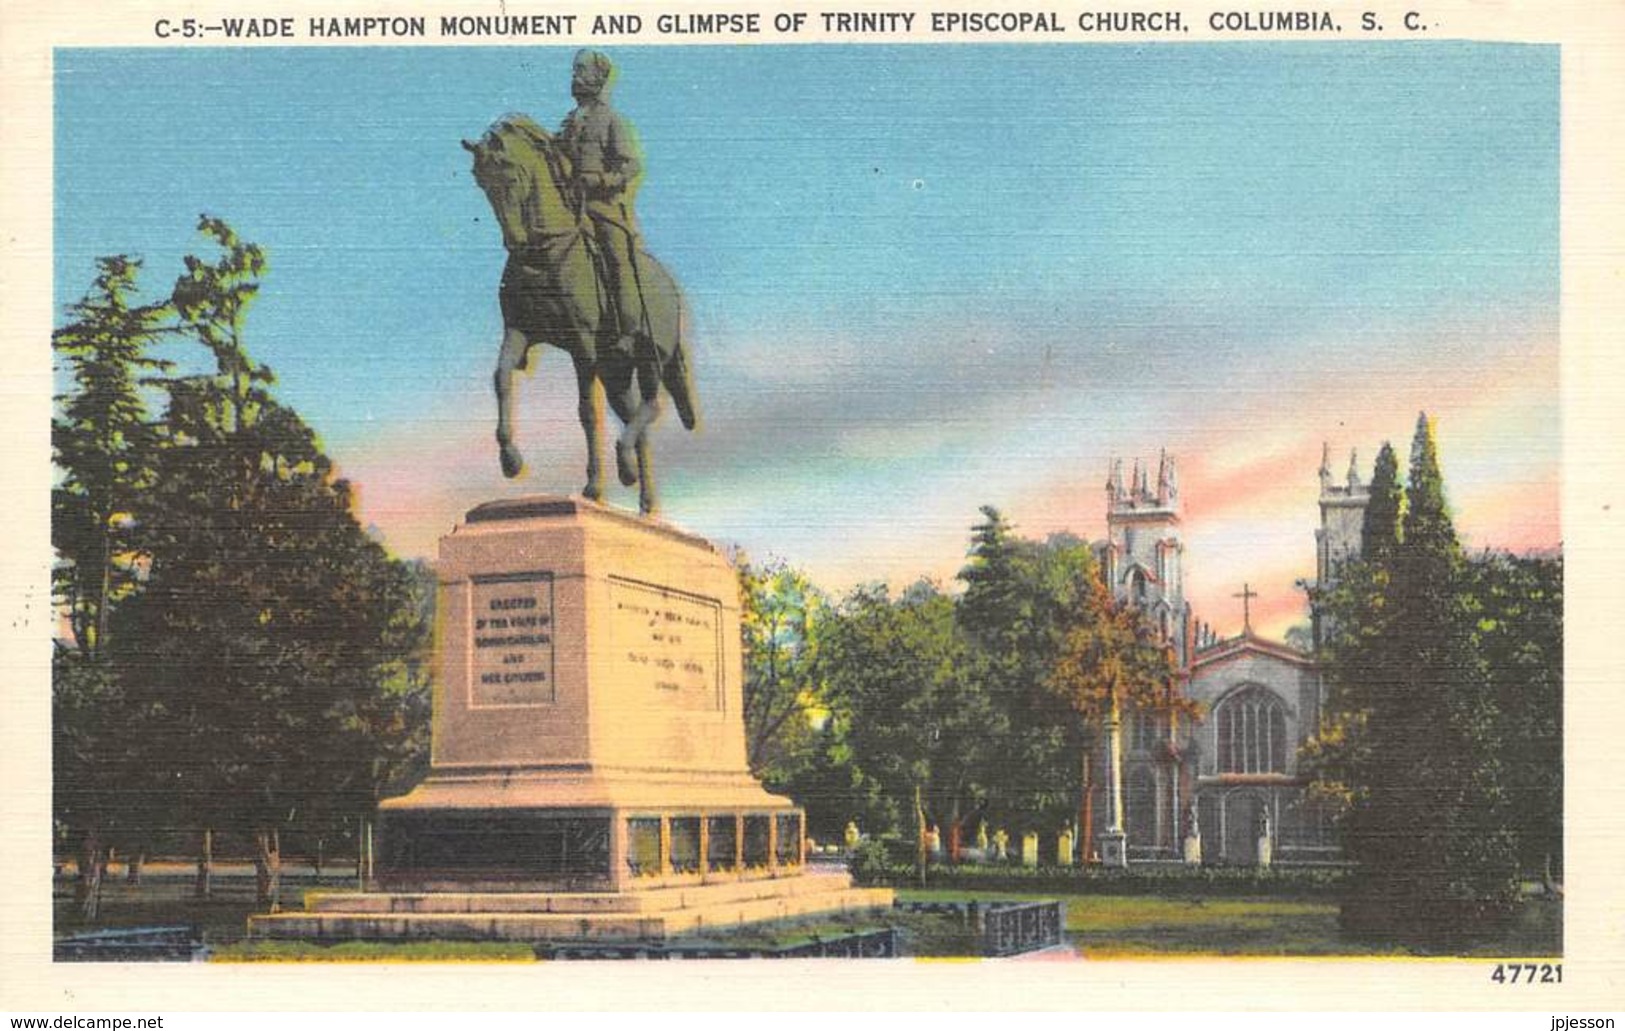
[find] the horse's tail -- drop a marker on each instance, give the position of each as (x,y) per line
(668,314)
(678,374)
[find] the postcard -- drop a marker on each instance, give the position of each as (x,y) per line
(1117,494)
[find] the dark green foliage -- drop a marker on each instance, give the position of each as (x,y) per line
(1415,734)
(212,301)
(872,863)
(1519,609)
(1169,881)
(279,647)
(909,704)
(104,445)
(1022,602)
(1380,531)
(103,442)
(264,665)
(978,703)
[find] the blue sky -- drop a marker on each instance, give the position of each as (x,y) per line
(924,278)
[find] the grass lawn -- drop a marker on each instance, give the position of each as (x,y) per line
(1100,926)
(164,897)
(373,952)
(1105,926)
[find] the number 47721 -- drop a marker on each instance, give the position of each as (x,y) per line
(1527,973)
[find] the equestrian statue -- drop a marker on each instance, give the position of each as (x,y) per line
(578,277)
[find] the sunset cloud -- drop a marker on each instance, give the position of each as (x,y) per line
(1128,265)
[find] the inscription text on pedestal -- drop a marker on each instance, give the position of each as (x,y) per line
(511,639)
(671,641)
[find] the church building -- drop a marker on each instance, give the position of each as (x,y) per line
(1223,788)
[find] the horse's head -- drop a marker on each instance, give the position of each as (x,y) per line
(520,170)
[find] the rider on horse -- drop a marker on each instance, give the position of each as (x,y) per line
(607,163)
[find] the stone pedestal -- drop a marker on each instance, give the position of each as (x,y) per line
(588,745)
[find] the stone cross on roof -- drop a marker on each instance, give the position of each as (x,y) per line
(1247,595)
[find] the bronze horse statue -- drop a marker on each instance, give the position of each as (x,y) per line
(551,293)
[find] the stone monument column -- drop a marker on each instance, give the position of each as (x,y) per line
(1113,841)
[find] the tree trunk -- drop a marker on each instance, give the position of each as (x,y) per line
(321,844)
(204,887)
(268,870)
(922,851)
(87,893)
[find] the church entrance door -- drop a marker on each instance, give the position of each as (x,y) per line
(1210,819)
(1241,810)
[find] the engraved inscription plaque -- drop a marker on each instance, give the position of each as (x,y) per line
(668,640)
(511,641)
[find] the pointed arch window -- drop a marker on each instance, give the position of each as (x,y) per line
(1137,592)
(1251,728)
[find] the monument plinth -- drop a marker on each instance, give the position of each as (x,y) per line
(587,768)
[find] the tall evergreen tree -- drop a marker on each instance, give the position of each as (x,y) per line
(1428,823)
(1364,668)
(994,609)
(102,441)
(103,445)
(1380,529)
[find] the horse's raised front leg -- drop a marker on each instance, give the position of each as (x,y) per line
(512,358)
(589,406)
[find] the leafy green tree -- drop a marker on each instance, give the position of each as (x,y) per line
(278,648)
(1021,599)
(1111,663)
(915,717)
(212,300)
(995,609)
(1519,605)
(781,620)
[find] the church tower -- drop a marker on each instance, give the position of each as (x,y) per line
(1340,536)
(1141,780)
(1342,517)
(1143,556)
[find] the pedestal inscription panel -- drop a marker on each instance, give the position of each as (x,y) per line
(511,640)
(668,640)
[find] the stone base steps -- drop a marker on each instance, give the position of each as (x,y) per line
(658,914)
(647,901)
